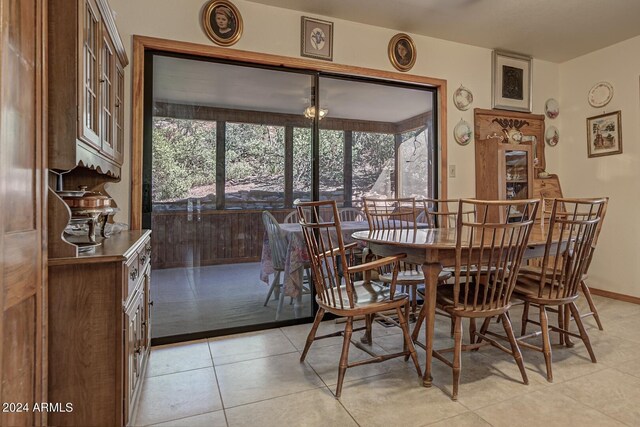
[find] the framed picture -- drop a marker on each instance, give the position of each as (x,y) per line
(511,81)
(604,134)
(402,52)
(316,38)
(222,22)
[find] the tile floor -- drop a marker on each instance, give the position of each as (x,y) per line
(256,379)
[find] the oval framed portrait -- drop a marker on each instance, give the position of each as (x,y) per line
(402,52)
(222,22)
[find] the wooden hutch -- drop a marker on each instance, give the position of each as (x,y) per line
(510,156)
(99,320)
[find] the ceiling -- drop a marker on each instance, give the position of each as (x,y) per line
(552,30)
(194,82)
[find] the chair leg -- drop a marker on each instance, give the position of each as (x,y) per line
(561,322)
(525,318)
(368,322)
(546,343)
(408,344)
(280,304)
(418,324)
(344,356)
(592,306)
(312,333)
(583,332)
(457,355)
(414,299)
(567,325)
(515,349)
(275,285)
(472,330)
(483,330)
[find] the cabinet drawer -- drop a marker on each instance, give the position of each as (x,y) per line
(132,271)
(144,254)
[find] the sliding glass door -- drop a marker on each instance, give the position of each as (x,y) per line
(229,147)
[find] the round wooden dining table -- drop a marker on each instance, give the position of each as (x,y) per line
(434,249)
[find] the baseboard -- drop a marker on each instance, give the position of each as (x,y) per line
(615,295)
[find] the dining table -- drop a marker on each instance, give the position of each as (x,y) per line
(435,249)
(297,257)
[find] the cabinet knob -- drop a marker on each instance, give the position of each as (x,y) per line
(143,258)
(148,249)
(134,274)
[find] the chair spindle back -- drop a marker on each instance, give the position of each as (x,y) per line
(489,254)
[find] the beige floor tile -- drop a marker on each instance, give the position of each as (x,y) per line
(310,408)
(567,363)
(609,349)
(609,391)
(167,359)
(297,334)
(253,345)
(210,419)
(632,367)
(468,419)
(484,380)
(625,328)
(325,360)
(179,395)
(397,399)
(260,379)
(544,408)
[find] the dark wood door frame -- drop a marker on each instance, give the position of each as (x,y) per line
(141,44)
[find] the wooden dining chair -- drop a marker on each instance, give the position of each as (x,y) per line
(547,204)
(487,259)
(572,229)
(338,292)
(278,247)
(351,214)
(397,215)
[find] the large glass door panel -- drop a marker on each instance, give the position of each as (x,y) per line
(376,140)
(229,143)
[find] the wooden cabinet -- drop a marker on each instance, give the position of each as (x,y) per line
(86,87)
(99,331)
(503,171)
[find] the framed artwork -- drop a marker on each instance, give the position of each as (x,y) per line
(222,22)
(402,52)
(316,39)
(604,134)
(511,81)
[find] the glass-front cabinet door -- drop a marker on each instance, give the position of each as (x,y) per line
(516,177)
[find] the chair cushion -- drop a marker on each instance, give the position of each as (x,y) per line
(408,277)
(369,294)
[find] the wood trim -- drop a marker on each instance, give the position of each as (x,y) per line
(442,139)
(110,23)
(202,112)
(615,295)
(141,43)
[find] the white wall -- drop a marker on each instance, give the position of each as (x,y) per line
(616,176)
(277,31)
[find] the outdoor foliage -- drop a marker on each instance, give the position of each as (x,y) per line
(184,159)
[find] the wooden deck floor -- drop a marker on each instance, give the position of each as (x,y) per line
(197,299)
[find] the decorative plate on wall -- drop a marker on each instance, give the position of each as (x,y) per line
(552,136)
(462,98)
(600,94)
(462,133)
(551,108)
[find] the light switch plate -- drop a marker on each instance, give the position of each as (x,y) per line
(452,171)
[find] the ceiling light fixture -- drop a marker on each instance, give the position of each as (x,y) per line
(310,112)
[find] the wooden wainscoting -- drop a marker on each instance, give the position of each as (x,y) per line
(183,239)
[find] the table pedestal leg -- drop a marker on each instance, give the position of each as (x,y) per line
(431,269)
(297,304)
